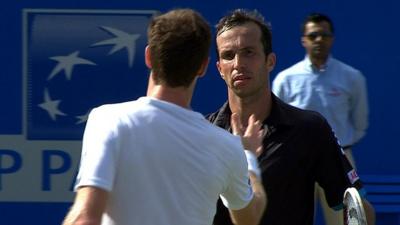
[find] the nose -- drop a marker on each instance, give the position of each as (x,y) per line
(238,61)
(318,38)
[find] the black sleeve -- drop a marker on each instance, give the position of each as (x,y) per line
(334,171)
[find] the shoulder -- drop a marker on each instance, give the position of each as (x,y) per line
(296,68)
(307,123)
(350,71)
(311,126)
(221,117)
(299,116)
(111,115)
(223,137)
(289,73)
(115,107)
(115,110)
(228,147)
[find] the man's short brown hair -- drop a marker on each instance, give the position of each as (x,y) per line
(179,42)
(239,17)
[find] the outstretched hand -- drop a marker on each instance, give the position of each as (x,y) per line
(252,135)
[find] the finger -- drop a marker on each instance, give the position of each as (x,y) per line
(254,125)
(259,151)
(235,124)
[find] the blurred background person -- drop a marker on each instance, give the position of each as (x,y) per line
(324,84)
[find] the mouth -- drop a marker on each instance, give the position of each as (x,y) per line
(240,79)
(318,48)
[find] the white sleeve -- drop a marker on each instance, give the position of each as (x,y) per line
(99,151)
(278,86)
(239,192)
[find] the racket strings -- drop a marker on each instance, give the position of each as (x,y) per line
(353,216)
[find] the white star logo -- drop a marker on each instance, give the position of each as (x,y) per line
(82,118)
(67,64)
(121,40)
(51,106)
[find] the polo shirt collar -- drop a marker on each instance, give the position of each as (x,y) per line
(310,67)
(277,117)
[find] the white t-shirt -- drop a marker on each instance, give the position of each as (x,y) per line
(162,164)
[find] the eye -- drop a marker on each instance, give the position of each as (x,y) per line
(313,35)
(248,52)
(228,55)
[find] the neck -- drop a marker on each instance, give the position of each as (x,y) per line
(180,96)
(318,62)
(259,105)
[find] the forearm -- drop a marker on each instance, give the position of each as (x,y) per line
(88,207)
(259,202)
(253,212)
(81,215)
(260,196)
(77,218)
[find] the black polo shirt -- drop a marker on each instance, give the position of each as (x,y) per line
(299,150)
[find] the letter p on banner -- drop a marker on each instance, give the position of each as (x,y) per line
(10,162)
(48,170)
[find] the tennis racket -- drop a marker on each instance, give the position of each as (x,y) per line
(353,211)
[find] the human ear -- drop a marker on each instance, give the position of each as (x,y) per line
(271,61)
(203,67)
(219,70)
(147,57)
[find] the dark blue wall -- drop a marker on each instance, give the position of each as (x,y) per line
(367,37)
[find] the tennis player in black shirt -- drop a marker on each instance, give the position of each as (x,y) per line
(300,147)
